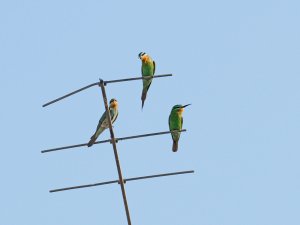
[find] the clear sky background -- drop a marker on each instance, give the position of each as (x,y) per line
(237,62)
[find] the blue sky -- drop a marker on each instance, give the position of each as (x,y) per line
(237,62)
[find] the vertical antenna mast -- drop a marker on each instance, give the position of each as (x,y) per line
(113,141)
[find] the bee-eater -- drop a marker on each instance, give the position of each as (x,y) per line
(148,69)
(103,122)
(175,124)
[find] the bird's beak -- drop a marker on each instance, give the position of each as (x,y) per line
(185,105)
(182,108)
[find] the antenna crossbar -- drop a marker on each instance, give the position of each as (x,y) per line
(125,180)
(108,140)
(104,82)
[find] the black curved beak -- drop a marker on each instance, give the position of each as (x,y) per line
(185,105)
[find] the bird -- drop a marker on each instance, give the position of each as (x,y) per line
(148,69)
(175,124)
(103,122)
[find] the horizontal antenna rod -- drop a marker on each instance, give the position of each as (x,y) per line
(105,82)
(136,78)
(72,93)
(109,140)
(125,180)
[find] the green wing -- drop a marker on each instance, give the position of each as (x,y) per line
(112,114)
(181,123)
(103,117)
(154,67)
(152,75)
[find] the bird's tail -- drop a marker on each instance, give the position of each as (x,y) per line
(95,136)
(175,146)
(143,98)
(92,141)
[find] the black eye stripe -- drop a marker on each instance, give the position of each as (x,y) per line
(112,100)
(141,54)
(177,107)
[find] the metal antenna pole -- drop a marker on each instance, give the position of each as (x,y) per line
(113,141)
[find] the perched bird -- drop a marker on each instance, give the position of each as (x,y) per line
(103,122)
(175,124)
(148,69)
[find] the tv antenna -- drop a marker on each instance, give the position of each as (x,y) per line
(113,140)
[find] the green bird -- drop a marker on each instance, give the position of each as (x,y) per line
(175,124)
(148,69)
(103,122)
